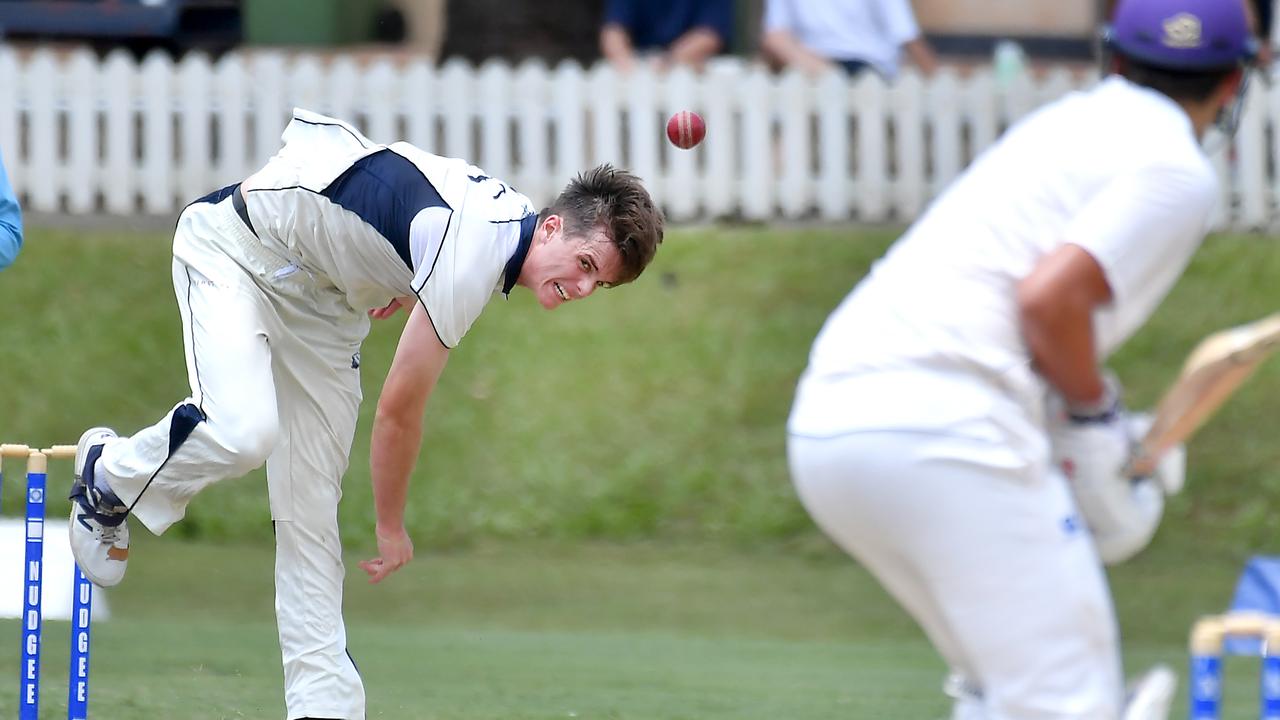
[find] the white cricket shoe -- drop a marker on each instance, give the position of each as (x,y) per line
(1150,695)
(98,528)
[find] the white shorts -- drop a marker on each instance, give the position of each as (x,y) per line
(986,552)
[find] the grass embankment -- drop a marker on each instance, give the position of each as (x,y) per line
(648,421)
(653,411)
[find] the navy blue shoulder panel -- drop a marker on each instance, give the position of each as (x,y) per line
(387,191)
(217,196)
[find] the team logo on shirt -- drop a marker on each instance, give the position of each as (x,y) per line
(1182,31)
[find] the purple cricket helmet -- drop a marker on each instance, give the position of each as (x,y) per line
(1182,34)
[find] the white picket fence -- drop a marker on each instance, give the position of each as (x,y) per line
(83,135)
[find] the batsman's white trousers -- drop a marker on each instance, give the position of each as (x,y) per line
(270,354)
(986,554)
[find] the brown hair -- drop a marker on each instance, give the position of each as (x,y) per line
(615,201)
(1178,85)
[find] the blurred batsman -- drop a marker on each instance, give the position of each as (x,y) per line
(950,395)
(276,278)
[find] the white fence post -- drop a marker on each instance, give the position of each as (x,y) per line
(83,134)
(795,163)
(980,109)
(419,105)
(1271,187)
(907,102)
(757,149)
(496,91)
(119,176)
(268,76)
(834,191)
(157,133)
(644,130)
(43,170)
(681,182)
(83,177)
(720,176)
(1019,98)
(1250,179)
(942,100)
(569,122)
(456,85)
(871,179)
(306,84)
(231,162)
(1221,160)
(605,137)
(341,83)
(534,164)
(195,88)
(381,97)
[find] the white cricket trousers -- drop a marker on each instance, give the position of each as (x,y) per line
(270,355)
(986,553)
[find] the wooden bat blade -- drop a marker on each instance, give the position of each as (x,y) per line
(1217,367)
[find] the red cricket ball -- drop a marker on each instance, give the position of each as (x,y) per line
(686,129)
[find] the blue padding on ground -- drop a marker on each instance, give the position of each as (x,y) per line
(1258,589)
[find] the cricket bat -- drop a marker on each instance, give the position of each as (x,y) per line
(1216,368)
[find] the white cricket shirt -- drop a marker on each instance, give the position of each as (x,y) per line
(386,221)
(872,31)
(1116,170)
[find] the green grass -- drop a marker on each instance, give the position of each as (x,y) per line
(603,518)
(554,630)
(653,411)
(513,632)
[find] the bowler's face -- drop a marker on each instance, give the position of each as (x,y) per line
(562,267)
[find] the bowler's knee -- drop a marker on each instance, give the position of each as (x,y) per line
(247,440)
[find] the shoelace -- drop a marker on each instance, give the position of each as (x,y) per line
(97,497)
(110,533)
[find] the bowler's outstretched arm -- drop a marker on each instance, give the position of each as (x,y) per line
(397,436)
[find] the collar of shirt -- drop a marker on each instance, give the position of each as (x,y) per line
(512,271)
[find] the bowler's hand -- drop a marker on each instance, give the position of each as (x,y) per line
(395,549)
(385,312)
